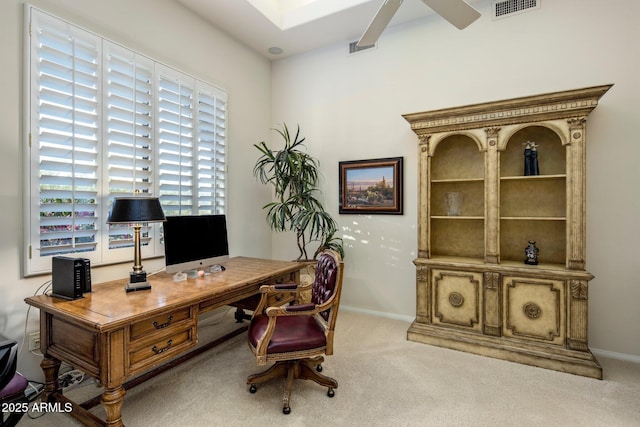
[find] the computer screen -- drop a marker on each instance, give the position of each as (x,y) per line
(195,242)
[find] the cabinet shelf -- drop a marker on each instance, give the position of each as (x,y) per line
(457,217)
(533,218)
(453,180)
(533,177)
(533,197)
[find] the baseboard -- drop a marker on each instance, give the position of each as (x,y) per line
(615,355)
(377,313)
(596,351)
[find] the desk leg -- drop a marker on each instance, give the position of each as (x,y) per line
(51,368)
(112,400)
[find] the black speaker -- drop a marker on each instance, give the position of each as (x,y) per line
(86,279)
(71,277)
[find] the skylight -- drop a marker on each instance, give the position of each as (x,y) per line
(286,14)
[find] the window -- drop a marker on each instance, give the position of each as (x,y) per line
(104,122)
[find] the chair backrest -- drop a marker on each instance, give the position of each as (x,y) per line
(327,286)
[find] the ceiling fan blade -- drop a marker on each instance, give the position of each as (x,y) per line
(379,22)
(458,12)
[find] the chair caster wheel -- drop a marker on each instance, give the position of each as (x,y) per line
(286,410)
(319,368)
(331,392)
(253,388)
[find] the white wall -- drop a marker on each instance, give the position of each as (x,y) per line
(349,107)
(170,34)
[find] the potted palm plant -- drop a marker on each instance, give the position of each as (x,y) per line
(293,174)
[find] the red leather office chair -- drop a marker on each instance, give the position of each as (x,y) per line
(296,336)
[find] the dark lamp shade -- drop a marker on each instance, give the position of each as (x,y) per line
(128,210)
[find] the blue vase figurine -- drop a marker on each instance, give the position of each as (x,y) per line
(531,253)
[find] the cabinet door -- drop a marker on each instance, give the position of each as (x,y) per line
(534,309)
(457,299)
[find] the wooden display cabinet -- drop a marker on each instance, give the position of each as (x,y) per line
(475,293)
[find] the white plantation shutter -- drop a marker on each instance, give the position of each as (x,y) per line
(212,113)
(65,102)
(175,142)
(191,139)
(129,134)
(103,122)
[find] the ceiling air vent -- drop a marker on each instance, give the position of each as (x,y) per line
(353,47)
(502,9)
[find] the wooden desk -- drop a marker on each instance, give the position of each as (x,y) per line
(113,335)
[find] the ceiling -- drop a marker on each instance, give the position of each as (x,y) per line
(297,26)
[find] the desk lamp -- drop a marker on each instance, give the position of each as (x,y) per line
(136,211)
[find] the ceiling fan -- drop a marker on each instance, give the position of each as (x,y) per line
(457,12)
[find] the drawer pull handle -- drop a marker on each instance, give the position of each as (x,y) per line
(157,350)
(163,325)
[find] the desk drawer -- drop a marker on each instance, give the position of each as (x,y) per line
(156,351)
(157,323)
(157,339)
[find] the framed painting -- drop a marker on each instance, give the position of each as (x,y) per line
(371,186)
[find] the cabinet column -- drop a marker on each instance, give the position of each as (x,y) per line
(424,249)
(492,198)
(492,304)
(576,195)
(423,294)
(578,315)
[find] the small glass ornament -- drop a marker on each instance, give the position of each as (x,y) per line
(453,201)
(531,253)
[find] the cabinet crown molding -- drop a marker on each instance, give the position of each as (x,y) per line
(548,106)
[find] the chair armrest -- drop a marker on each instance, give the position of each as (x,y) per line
(291,310)
(286,288)
(298,309)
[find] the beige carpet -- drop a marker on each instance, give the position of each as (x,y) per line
(384,380)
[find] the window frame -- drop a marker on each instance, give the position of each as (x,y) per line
(34,263)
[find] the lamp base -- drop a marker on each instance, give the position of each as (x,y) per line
(132,287)
(137,282)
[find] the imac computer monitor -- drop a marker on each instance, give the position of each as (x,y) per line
(195,242)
